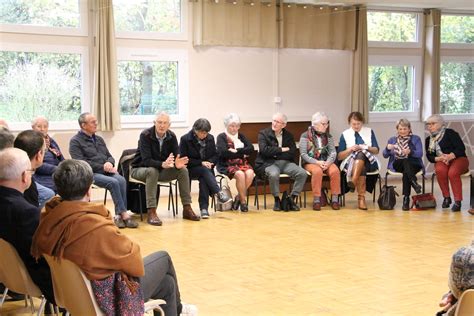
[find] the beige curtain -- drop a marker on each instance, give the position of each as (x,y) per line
(431,63)
(319,27)
(360,86)
(105,82)
(241,23)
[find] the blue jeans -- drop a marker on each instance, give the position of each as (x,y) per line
(207,184)
(44,194)
(117,186)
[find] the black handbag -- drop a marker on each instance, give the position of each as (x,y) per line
(388,197)
(285,202)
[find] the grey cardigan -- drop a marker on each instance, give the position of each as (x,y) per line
(305,158)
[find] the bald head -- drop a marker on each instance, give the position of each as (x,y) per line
(15,169)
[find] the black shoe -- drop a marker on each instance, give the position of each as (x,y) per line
(416,186)
(456,206)
(244,207)
(293,205)
(236,203)
(446,202)
(276,205)
(351,186)
(406,203)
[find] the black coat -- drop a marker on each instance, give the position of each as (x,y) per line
(149,153)
(96,154)
(189,147)
(450,143)
(224,154)
(18,222)
(269,151)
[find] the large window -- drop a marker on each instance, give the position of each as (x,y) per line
(457,29)
(393,27)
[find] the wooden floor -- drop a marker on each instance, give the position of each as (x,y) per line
(346,262)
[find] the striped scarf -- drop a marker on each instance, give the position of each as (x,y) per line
(434,142)
(351,160)
(402,144)
(55,151)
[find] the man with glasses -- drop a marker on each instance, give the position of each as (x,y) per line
(157,159)
(276,155)
(19,218)
(88,146)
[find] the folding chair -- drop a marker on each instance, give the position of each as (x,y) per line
(419,173)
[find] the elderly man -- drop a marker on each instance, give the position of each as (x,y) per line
(19,218)
(157,159)
(276,154)
(91,148)
(6,138)
(33,143)
(75,229)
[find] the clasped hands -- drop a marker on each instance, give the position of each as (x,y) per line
(405,152)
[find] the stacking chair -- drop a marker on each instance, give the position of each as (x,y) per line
(419,173)
(73,291)
(466,304)
(105,193)
(465,175)
(15,277)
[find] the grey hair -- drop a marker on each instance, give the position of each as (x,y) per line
(202,124)
(13,162)
(37,119)
(82,118)
(436,118)
(283,117)
(318,117)
(231,118)
(6,138)
(161,113)
(73,179)
(403,122)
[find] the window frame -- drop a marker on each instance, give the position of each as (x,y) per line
(82,30)
(176,55)
(57,49)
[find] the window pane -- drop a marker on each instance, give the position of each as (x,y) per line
(148,86)
(457,29)
(162,16)
(391,27)
(457,89)
(52,13)
(46,84)
(390,88)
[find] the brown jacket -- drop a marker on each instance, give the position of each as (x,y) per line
(85,234)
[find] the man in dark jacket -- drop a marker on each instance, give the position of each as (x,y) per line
(19,218)
(276,155)
(91,148)
(157,159)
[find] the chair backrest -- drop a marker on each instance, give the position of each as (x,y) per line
(466,304)
(13,272)
(72,290)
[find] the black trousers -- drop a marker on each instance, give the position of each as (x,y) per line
(409,167)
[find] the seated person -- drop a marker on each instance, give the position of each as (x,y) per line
(445,148)
(91,148)
(276,154)
(52,155)
(405,152)
(33,143)
(200,148)
(75,229)
(233,149)
(460,279)
(357,149)
(19,218)
(157,159)
(318,154)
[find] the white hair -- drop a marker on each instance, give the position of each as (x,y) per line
(283,117)
(436,118)
(37,119)
(13,162)
(231,118)
(162,113)
(318,117)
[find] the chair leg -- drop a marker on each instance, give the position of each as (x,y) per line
(264,194)
(105,196)
(41,307)
(140,201)
(3,296)
(32,304)
(423,183)
(432,182)
(171,198)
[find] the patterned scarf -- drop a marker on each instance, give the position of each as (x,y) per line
(434,141)
(401,145)
(318,144)
(55,151)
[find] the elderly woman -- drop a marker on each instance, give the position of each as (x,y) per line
(445,148)
(200,148)
(52,156)
(318,154)
(357,149)
(404,153)
(233,149)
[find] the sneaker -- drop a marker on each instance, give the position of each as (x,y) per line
(222,197)
(118,221)
(189,310)
(204,214)
(130,223)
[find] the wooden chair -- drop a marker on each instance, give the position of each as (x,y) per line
(15,277)
(73,291)
(466,304)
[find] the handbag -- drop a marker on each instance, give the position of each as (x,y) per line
(227,205)
(388,197)
(286,202)
(423,201)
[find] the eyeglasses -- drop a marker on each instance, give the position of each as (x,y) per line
(278,122)
(325,124)
(430,123)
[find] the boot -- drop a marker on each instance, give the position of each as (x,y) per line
(188,213)
(361,193)
(357,169)
(153,219)
(406,203)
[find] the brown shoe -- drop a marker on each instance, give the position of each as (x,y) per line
(153,219)
(361,193)
(471,211)
(335,206)
(316,206)
(188,213)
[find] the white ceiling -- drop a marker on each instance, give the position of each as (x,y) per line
(440,4)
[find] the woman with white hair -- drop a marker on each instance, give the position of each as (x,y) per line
(445,148)
(233,149)
(318,154)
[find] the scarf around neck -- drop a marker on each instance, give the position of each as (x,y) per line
(435,138)
(235,140)
(403,142)
(318,143)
